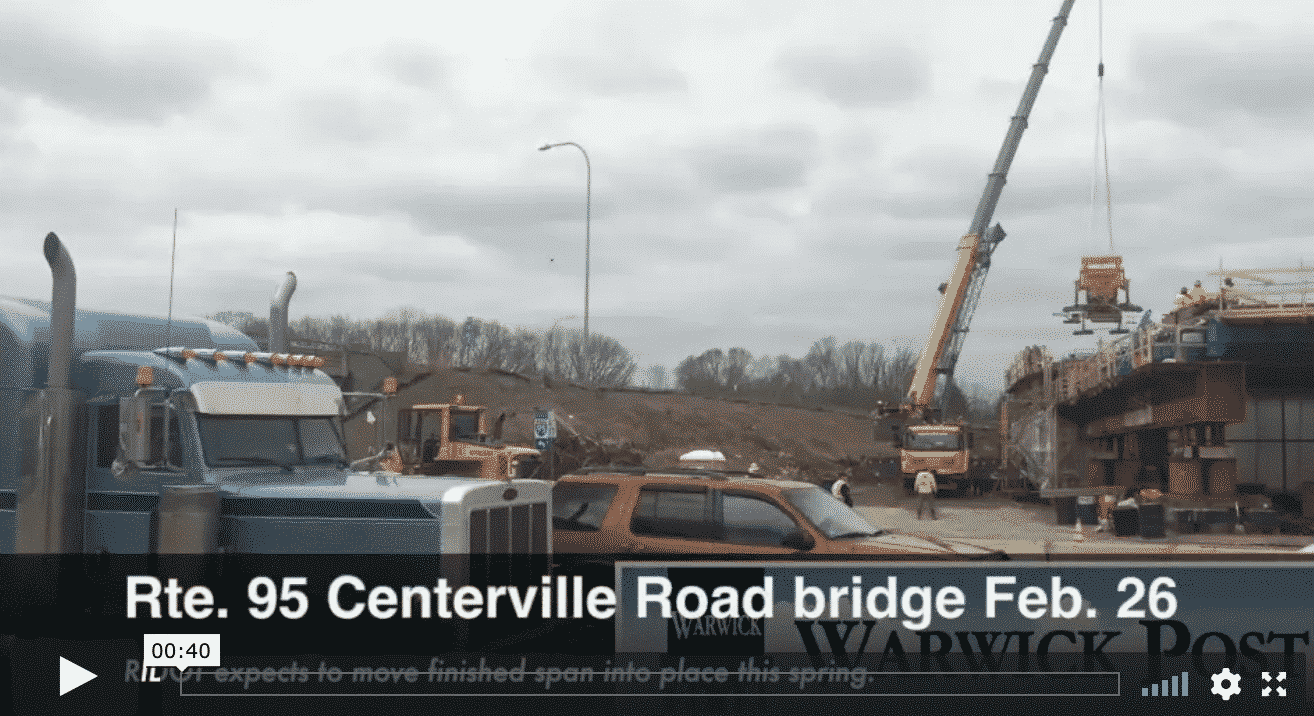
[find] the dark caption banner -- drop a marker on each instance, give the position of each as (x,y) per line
(751,636)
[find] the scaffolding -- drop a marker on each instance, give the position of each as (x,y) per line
(1028,424)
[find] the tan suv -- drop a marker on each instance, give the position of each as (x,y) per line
(641,511)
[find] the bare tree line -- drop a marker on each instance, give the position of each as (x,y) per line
(435,341)
(855,374)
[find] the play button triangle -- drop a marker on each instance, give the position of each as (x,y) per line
(72,676)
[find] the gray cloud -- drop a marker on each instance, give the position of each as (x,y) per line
(1042,189)
(884,77)
(1197,82)
(411,261)
(147,81)
(941,251)
(448,209)
(1218,202)
(656,192)
(414,64)
(349,115)
(776,157)
(614,76)
(739,170)
(935,182)
(8,109)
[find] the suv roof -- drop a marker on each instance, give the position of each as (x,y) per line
(685,475)
(640,470)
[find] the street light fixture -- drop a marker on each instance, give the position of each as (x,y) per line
(588,210)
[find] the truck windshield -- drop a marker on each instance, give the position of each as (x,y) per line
(833,518)
(232,441)
(932,441)
(465,426)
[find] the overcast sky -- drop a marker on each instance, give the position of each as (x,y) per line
(764,173)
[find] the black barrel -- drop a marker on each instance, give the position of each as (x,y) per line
(1087,513)
(1126,521)
(1263,520)
(1186,522)
(1065,510)
(1151,519)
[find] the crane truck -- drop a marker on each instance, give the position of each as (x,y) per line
(924,439)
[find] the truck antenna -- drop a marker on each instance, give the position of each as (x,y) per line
(168,327)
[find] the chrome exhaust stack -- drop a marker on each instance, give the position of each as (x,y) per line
(278,314)
(188,520)
(52,494)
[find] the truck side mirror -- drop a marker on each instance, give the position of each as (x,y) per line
(798,539)
(135,428)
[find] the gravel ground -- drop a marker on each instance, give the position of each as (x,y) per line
(1003,519)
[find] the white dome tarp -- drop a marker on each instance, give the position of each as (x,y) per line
(703,455)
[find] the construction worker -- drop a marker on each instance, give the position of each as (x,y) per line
(924,486)
(1198,293)
(1181,300)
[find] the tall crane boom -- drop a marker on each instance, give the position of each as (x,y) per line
(958,303)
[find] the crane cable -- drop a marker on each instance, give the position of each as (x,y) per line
(1101,144)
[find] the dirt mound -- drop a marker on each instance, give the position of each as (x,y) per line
(625,426)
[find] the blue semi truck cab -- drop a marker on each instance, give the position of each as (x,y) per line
(209,445)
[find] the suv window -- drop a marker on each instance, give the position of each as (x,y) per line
(684,512)
(753,520)
(580,507)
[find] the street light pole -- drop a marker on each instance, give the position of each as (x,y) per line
(588,210)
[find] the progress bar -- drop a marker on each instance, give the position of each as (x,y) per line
(856,682)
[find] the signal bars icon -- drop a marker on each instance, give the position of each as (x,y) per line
(1163,688)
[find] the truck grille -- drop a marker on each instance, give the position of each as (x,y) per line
(508,545)
(521,529)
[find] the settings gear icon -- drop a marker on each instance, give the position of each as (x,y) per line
(1234,684)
